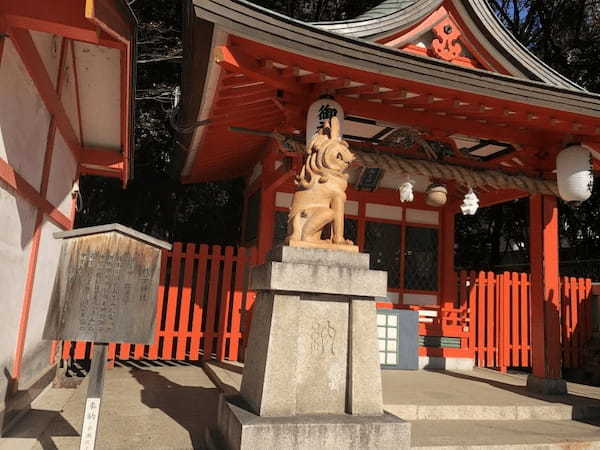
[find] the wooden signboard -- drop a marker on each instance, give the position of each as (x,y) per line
(105,288)
(105,291)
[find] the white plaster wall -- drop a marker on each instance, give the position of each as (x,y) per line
(48,45)
(37,351)
(17,220)
(69,92)
(62,174)
(99,74)
(24,119)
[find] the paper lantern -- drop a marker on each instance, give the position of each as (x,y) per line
(436,195)
(574,174)
(321,110)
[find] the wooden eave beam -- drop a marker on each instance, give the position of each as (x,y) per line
(64,18)
(235,60)
(106,158)
(404,116)
(38,73)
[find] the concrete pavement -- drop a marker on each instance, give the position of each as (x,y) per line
(169,405)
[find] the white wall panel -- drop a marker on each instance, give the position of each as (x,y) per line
(17,220)
(37,351)
(48,46)
(63,171)
(24,119)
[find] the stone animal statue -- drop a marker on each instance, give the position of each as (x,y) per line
(321,190)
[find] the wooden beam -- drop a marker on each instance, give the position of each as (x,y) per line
(64,18)
(38,73)
(109,159)
(22,188)
(234,60)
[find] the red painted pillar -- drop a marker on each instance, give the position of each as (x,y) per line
(447,273)
(545,295)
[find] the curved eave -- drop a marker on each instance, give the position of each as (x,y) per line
(258,24)
(374,26)
(380,21)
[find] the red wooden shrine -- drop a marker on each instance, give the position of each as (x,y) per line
(447,71)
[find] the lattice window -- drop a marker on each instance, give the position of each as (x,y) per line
(421,259)
(382,241)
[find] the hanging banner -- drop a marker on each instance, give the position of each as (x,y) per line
(319,112)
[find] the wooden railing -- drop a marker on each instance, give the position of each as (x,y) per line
(204,307)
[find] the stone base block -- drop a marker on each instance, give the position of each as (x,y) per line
(439,363)
(240,429)
(546,386)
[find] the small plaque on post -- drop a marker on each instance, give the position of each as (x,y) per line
(105,287)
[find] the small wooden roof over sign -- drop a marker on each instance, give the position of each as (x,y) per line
(116,227)
(446,69)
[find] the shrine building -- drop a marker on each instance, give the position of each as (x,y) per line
(442,107)
(66,109)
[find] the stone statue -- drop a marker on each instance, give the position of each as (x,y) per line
(321,195)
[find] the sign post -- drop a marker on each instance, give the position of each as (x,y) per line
(104,291)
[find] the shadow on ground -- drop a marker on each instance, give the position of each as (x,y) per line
(192,407)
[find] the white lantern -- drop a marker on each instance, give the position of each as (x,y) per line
(574,174)
(319,112)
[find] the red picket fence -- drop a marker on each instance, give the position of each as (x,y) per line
(499,306)
(203,295)
(576,312)
(499,311)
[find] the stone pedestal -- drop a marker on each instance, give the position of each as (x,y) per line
(312,376)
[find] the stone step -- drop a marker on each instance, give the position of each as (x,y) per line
(556,411)
(492,435)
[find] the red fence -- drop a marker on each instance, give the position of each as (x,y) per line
(576,313)
(203,294)
(499,310)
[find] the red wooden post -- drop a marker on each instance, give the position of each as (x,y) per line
(481,291)
(186,299)
(545,287)
(153,350)
(491,342)
(236,309)
(209,328)
(224,303)
(198,303)
(504,343)
(172,302)
(472,311)
(515,322)
(574,335)
(448,299)
(525,316)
